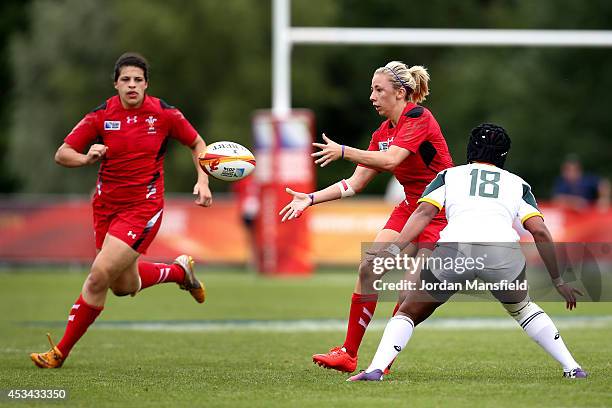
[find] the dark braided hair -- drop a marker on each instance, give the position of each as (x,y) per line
(488,143)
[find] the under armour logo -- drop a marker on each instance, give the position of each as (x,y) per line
(557,336)
(131,119)
(397,348)
(131,234)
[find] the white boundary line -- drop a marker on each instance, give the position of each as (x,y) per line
(315,325)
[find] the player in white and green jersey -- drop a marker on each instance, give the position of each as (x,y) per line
(482,200)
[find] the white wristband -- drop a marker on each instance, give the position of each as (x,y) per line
(345,189)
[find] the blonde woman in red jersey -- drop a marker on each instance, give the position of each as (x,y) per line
(128,135)
(410,144)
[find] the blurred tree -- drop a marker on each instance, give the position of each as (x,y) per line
(13,20)
(212,59)
(62,68)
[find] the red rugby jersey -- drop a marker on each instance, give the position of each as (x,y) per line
(133,168)
(418,131)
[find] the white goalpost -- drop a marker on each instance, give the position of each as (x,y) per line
(285,36)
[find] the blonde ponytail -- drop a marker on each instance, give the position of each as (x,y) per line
(421,81)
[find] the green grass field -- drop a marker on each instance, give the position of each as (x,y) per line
(119,363)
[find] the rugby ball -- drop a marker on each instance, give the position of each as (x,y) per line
(227,161)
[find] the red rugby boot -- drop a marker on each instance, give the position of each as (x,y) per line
(337,359)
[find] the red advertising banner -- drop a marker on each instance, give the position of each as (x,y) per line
(46,231)
(61,232)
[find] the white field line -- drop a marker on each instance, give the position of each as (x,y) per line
(494,323)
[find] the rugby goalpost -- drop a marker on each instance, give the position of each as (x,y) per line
(285,37)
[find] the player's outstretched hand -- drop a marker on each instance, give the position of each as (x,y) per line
(95,153)
(296,207)
(329,152)
(203,195)
(569,294)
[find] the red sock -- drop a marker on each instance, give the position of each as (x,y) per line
(81,317)
(156,273)
(362,310)
(396,308)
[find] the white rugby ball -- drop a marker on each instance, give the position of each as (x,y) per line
(228,161)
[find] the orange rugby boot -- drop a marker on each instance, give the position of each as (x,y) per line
(51,359)
(191,283)
(337,359)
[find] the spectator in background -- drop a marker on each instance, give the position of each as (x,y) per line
(576,190)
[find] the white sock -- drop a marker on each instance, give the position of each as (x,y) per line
(394,339)
(538,325)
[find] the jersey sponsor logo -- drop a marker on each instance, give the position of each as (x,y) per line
(384,146)
(131,119)
(151,122)
(112,125)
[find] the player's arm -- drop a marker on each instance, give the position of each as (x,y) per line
(67,156)
(201,189)
(544,242)
(82,135)
(344,188)
(381,160)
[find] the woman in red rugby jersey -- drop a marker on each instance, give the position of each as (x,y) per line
(128,135)
(408,143)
